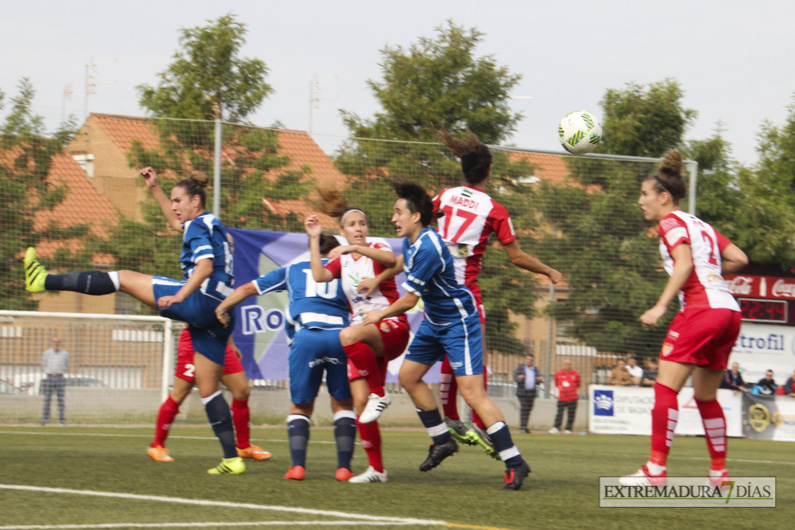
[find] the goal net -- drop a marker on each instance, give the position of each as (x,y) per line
(119,371)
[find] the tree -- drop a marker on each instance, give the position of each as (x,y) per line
(603,245)
(25,160)
(441,82)
(208,79)
(766,222)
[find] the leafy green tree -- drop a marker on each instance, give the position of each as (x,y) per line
(208,79)
(25,160)
(441,82)
(607,251)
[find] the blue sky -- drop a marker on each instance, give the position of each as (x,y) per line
(732,59)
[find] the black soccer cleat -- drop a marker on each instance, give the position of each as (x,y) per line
(439,452)
(515,476)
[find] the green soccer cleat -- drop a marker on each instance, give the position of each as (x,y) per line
(35,272)
(478,436)
(458,431)
(228,466)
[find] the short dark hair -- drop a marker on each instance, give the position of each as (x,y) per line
(417,199)
(327,242)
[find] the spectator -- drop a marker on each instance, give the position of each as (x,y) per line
(620,376)
(526,377)
(789,386)
(733,379)
(650,373)
(567,382)
(766,386)
(635,371)
(54,363)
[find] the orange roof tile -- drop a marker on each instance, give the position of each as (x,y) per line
(548,167)
(82,204)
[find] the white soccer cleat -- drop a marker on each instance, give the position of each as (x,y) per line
(375,406)
(642,477)
(554,430)
(567,431)
(371,475)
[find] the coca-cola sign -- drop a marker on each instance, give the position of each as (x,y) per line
(761,286)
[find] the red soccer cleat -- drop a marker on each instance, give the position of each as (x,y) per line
(295,473)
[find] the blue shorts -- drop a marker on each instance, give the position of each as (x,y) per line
(198,310)
(460,340)
(312,352)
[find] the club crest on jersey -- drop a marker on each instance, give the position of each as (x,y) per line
(463,250)
(385,327)
(667,348)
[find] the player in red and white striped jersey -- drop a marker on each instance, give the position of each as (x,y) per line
(369,348)
(701,335)
(467,217)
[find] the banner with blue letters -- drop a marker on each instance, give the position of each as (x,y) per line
(259,332)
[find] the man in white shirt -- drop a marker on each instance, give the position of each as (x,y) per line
(634,370)
(54,364)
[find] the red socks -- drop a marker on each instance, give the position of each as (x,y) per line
(448,391)
(365,361)
(168,411)
(715,431)
(370,436)
(664,416)
(241,418)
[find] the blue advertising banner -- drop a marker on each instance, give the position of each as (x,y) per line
(259,332)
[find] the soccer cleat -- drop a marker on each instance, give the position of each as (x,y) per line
(480,437)
(343,474)
(716,479)
(253,451)
(643,477)
(439,452)
(295,473)
(159,454)
(375,406)
(228,466)
(514,477)
(458,430)
(35,273)
(554,430)
(567,431)
(371,475)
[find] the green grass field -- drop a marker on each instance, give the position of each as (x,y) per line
(90,476)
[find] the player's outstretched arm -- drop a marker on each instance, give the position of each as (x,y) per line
(384,257)
(527,262)
(313,229)
(150,177)
(400,306)
(732,259)
(368,285)
(683,266)
(237,296)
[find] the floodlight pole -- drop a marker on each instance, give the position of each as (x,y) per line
(217,171)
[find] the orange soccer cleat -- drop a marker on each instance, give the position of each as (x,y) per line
(295,473)
(253,451)
(159,454)
(343,474)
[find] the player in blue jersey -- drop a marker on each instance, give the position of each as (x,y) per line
(316,314)
(451,326)
(207,266)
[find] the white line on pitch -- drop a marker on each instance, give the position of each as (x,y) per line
(224,504)
(314,524)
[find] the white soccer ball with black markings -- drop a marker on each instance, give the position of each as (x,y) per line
(579,132)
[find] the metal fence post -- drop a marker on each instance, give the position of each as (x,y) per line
(217,171)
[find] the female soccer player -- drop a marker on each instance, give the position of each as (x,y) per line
(369,348)
(701,335)
(233,377)
(207,264)
(317,314)
(467,216)
(451,327)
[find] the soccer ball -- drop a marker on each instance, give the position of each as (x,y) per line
(579,132)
